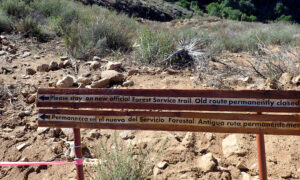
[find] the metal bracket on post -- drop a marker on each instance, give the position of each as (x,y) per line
(261,152)
(78,153)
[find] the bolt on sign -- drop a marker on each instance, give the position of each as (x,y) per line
(227,111)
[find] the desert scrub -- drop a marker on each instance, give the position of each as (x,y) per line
(126,163)
(29,27)
(154,45)
(48,7)
(5,23)
(15,8)
(238,37)
(100,32)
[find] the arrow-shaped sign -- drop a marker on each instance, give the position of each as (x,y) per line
(44,116)
(44,98)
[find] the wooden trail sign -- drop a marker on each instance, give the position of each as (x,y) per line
(224,111)
(184,110)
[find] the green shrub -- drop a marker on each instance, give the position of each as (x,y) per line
(48,7)
(100,32)
(248,18)
(284,18)
(128,163)
(31,28)
(214,9)
(154,45)
(14,8)
(5,23)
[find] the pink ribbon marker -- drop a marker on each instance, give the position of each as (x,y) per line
(79,161)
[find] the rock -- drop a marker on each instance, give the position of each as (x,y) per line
(247,79)
(5,42)
(162,165)
(68,132)
(94,133)
(113,66)
(22,146)
(42,130)
(96,58)
(30,71)
(31,98)
(66,82)
(234,144)
(209,136)
(286,174)
(26,54)
(156,171)
(102,83)
(112,75)
(37,57)
(53,66)
(127,135)
(285,78)
(95,65)
(271,83)
(24,113)
(84,80)
(188,140)
(128,83)
(246,176)
(7,130)
(43,68)
(60,65)
(2,53)
(170,71)
(296,80)
(63,58)
(67,63)
(132,72)
(12,51)
(207,162)
(241,166)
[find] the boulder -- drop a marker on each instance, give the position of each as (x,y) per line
(84,80)
(30,71)
(102,83)
(95,65)
(188,140)
(22,146)
(207,162)
(128,83)
(66,82)
(113,66)
(132,72)
(2,53)
(296,80)
(53,66)
(96,58)
(234,144)
(63,58)
(162,165)
(31,98)
(60,65)
(112,75)
(67,63)
(285,78)
(43,68)
(26,54)
(271,83)
(127,135)
(68,132)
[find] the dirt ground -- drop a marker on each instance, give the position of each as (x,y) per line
(22,140)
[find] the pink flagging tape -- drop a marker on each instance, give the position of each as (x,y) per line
(77,162)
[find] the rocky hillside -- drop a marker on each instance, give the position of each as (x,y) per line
(27,65)
(148,9)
